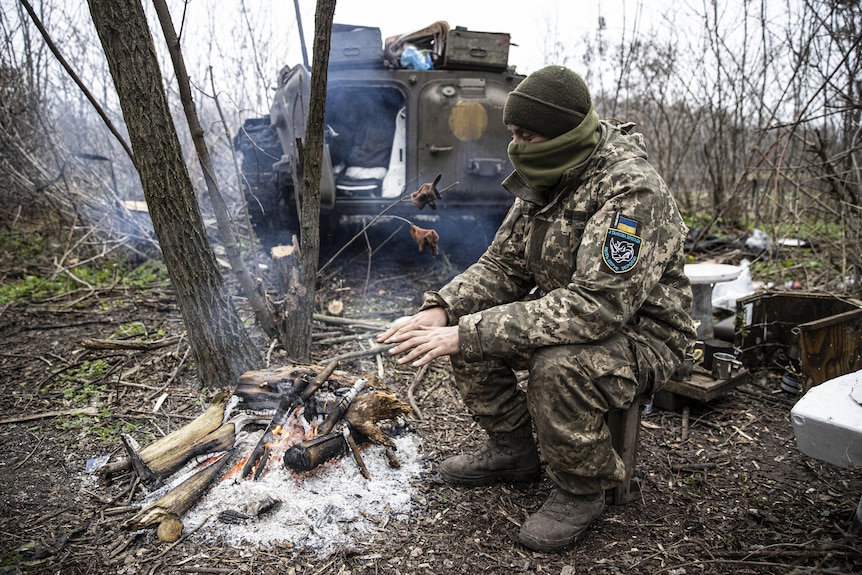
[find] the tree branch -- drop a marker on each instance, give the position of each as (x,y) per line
(77,80)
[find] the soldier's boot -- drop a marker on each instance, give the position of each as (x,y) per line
(502,458)
(561,520)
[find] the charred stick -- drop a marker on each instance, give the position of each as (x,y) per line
(392,458)
(319,379)
(334,416)
(260,454)
(354,449)
(141,468)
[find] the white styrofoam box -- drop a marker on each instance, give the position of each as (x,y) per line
(827,421)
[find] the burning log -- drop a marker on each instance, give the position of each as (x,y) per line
(168,454)
(256,462)
(305,456)
(165,513)
(362,415)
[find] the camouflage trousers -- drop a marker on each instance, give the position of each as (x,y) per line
(569,391)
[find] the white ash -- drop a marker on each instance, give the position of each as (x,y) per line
(331,507)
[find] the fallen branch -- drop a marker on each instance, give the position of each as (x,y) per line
(411,399)
(692,467)
(349,322)
(29,455)
(364,352)
(129,344)
(90,411)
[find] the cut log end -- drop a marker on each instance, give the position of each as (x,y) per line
(170,529)
(283,251)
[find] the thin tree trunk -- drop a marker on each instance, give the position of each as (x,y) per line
(222,348)
(298,323)
(261,311)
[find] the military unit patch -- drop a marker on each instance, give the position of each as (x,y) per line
(622,244)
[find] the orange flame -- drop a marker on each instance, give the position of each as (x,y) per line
(234,471)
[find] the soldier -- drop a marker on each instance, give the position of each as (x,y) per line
(582,285)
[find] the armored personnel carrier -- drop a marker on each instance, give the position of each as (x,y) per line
(398,114)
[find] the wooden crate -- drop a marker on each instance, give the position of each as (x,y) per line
(830,347)
(829,343)
(701,388)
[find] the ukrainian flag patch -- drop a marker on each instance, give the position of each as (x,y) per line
(626,225)
(622,245)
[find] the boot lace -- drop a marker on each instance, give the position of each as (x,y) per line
(492,448)
(567,508)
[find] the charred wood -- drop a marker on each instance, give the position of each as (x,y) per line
(371,407)
(305,456)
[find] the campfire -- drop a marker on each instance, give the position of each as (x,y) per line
(311,457)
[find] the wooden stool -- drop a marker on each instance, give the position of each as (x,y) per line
(625,427)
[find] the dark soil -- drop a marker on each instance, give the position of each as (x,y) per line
(724,488)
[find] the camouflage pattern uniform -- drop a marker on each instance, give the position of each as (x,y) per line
(586,290)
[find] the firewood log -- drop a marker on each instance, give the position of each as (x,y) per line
(166,455)
(165,513)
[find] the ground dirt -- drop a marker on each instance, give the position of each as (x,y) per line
(724,488)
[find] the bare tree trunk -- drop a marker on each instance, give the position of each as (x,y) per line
(261,311)
(221,346)
(298,323)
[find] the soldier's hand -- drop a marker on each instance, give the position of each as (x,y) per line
(426,344)
(431,317)
(422,337)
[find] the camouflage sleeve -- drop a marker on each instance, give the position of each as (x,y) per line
(499,276)
(625,248)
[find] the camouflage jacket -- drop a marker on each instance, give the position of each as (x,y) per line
(603,255)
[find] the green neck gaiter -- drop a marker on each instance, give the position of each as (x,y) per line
(542,164)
